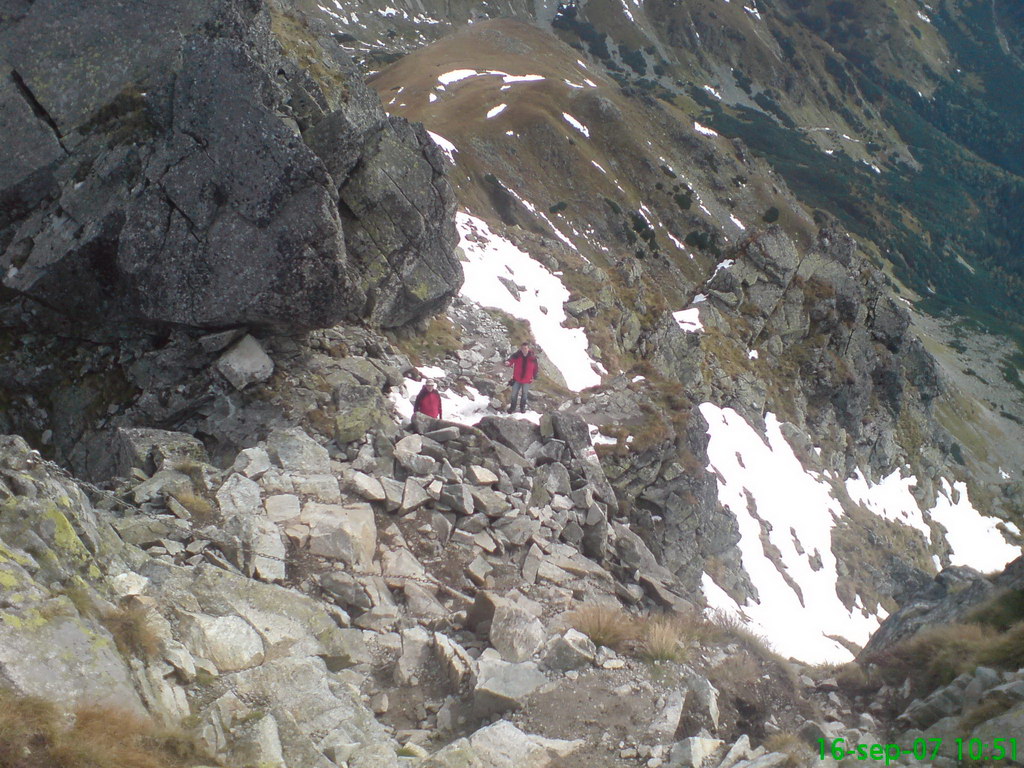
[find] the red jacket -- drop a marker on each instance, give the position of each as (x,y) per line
(428,403)
(524,367)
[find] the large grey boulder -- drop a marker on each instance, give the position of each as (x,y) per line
(245,363)
(515,633)
(347,533)
(176,162)
(950,596)
(501,685)
(295,451)
(65,659)
(230,642)
(313,713)
(502,745)
(152,449)
(516,434)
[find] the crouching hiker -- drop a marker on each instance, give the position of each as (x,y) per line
(524,371)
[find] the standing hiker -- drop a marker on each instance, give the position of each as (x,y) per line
(524,371)
(428,401)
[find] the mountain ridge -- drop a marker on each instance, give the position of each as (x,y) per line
(740,427)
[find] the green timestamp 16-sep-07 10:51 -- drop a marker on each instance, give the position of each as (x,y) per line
(921,749)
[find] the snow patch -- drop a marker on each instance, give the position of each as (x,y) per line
(540,303)
(890,499)
(689,319)
(764,475)
(455,75)
(576,124)
(703,129)
(444,145)
(975,540)
(495,111)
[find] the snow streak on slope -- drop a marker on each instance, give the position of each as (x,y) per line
(973,538)
(761,481)
(767,480)
(891,499)
(446,146)
(540,299)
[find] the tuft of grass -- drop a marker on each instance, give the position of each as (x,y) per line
(35,734)
(203,511)
(853,680)
(605,624)
(663,638)
(788,743)
(737,673)
(984,712)
(1001,612)
(728,628)
(132,631)
(934,656)
(1005,651)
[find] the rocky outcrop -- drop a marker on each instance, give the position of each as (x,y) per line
(212,164)
(948,598)
(88,619)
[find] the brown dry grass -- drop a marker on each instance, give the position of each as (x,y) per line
(605,624)
(132,631)
(981,713)
(853,680)
(934,656)
(799,754)
(203,510)
(1005,651)
(1001,612)
(35,734)
(663,638)
(728,628)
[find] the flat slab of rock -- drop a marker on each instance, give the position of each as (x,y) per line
(239,496)
(341,532)
(481,475)
(502,686)
(295,451)
(366,486)
(62,661)
(502,745)
(515,633)
(571,650)
(229,642)
(516,434)
(245,363)
(693,752)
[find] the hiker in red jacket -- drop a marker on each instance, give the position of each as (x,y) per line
(428,401)
(524,370)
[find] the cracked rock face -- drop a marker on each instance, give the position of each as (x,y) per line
(211,164)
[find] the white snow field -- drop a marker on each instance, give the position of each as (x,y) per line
(461,409)
(761,477)
(540,301)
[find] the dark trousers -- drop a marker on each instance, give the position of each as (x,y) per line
(520,392)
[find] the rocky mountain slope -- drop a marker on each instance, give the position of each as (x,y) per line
(227,268)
